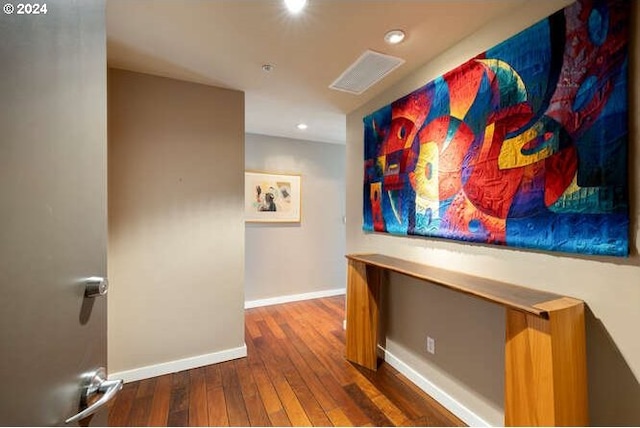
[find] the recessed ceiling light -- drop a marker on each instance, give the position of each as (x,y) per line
(295,6)
(302,126)
(394,37)
(268,68)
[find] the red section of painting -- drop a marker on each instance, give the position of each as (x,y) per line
(376,208)
(559,172)
(586,64)
(463,86)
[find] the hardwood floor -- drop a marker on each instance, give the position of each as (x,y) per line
(295,374)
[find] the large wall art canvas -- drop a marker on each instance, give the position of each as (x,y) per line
(524,145)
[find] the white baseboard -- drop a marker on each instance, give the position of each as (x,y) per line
(455,407)
(179,365)
(293,298)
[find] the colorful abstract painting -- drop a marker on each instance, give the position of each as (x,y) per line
(524,145)
(271,197)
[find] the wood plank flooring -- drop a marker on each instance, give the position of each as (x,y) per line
(295,374)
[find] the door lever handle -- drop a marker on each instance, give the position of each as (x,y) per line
(96,383)
(96,286)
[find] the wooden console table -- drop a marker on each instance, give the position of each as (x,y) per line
(545,350)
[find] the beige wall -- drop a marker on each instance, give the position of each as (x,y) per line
(176,231)
(469,334)
(310,254)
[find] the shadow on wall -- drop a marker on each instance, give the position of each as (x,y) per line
(614,391)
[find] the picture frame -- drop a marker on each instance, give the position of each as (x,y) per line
(272,198)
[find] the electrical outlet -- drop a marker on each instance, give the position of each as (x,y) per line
(431,345)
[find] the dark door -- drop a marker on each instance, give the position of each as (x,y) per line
(53,214)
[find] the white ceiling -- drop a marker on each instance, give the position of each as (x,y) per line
(225,42)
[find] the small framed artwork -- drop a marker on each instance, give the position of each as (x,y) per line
(271,197)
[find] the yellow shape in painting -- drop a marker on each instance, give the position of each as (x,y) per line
(572,189)
(382,162)
(511,151)
(511,155)
(426,178)
(507,77)
(375,191)
(488,139)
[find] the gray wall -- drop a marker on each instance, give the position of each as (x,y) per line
(176,231)
(287,259)
(468,364)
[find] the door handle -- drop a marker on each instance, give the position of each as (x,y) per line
(96,286)
(96,383)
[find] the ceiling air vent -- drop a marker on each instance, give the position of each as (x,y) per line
(368,70)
